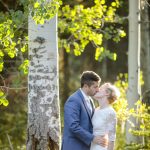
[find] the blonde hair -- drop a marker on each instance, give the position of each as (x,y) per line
(112,92)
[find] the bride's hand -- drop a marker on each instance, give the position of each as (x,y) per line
(101,140)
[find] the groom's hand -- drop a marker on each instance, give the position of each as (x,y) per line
(101,140)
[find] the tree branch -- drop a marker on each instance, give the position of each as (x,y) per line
(11,147)
(12,88)
(5,5)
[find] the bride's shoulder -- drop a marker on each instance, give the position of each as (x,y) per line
(112,112)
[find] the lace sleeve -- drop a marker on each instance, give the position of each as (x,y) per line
(112,127)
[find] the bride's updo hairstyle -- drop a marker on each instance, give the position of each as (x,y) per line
(112,92)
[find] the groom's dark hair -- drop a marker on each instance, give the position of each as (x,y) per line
(88,77)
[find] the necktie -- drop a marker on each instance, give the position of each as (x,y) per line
(92,106)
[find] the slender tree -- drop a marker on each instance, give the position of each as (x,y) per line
(133,62)
(145,46)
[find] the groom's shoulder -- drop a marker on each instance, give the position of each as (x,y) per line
(76,93)
(74,96)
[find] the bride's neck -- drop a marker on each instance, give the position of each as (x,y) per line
(103,106)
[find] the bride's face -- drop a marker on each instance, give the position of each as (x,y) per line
(101,96)
(101,93)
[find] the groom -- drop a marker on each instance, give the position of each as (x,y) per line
(78,111)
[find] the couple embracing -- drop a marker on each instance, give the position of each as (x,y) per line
(87,127)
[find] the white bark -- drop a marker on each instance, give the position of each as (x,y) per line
(43,107)
(133,62)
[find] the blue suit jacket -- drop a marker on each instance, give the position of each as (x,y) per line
(78,128)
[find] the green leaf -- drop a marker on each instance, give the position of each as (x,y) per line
(24,66)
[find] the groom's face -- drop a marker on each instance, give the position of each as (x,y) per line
(93,89)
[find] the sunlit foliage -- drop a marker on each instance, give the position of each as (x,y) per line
(13,38)
(91,24)
(3,100)
(44,10)
(140,112)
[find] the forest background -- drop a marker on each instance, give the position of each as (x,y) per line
(112,66)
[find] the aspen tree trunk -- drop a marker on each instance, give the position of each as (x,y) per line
(145,55)
(145,47)
(133,62)
(43,131)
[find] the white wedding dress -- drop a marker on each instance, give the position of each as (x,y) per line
(104,122)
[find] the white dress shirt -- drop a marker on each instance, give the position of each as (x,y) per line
(87,99)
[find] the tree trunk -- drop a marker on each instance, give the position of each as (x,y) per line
(43,131)
(145,48)
(66,75)
(133,62)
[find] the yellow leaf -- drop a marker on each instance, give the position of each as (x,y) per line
(23,49)
(5,102)
(11,54)
(42,21)
(1,94)
(113,4)
(114,56)
(36,4)
(102,2)
(97,53)
(1,66)
(1,54)
(122,33)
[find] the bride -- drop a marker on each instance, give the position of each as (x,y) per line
(104,118)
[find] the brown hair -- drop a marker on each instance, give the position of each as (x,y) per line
(88,77)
